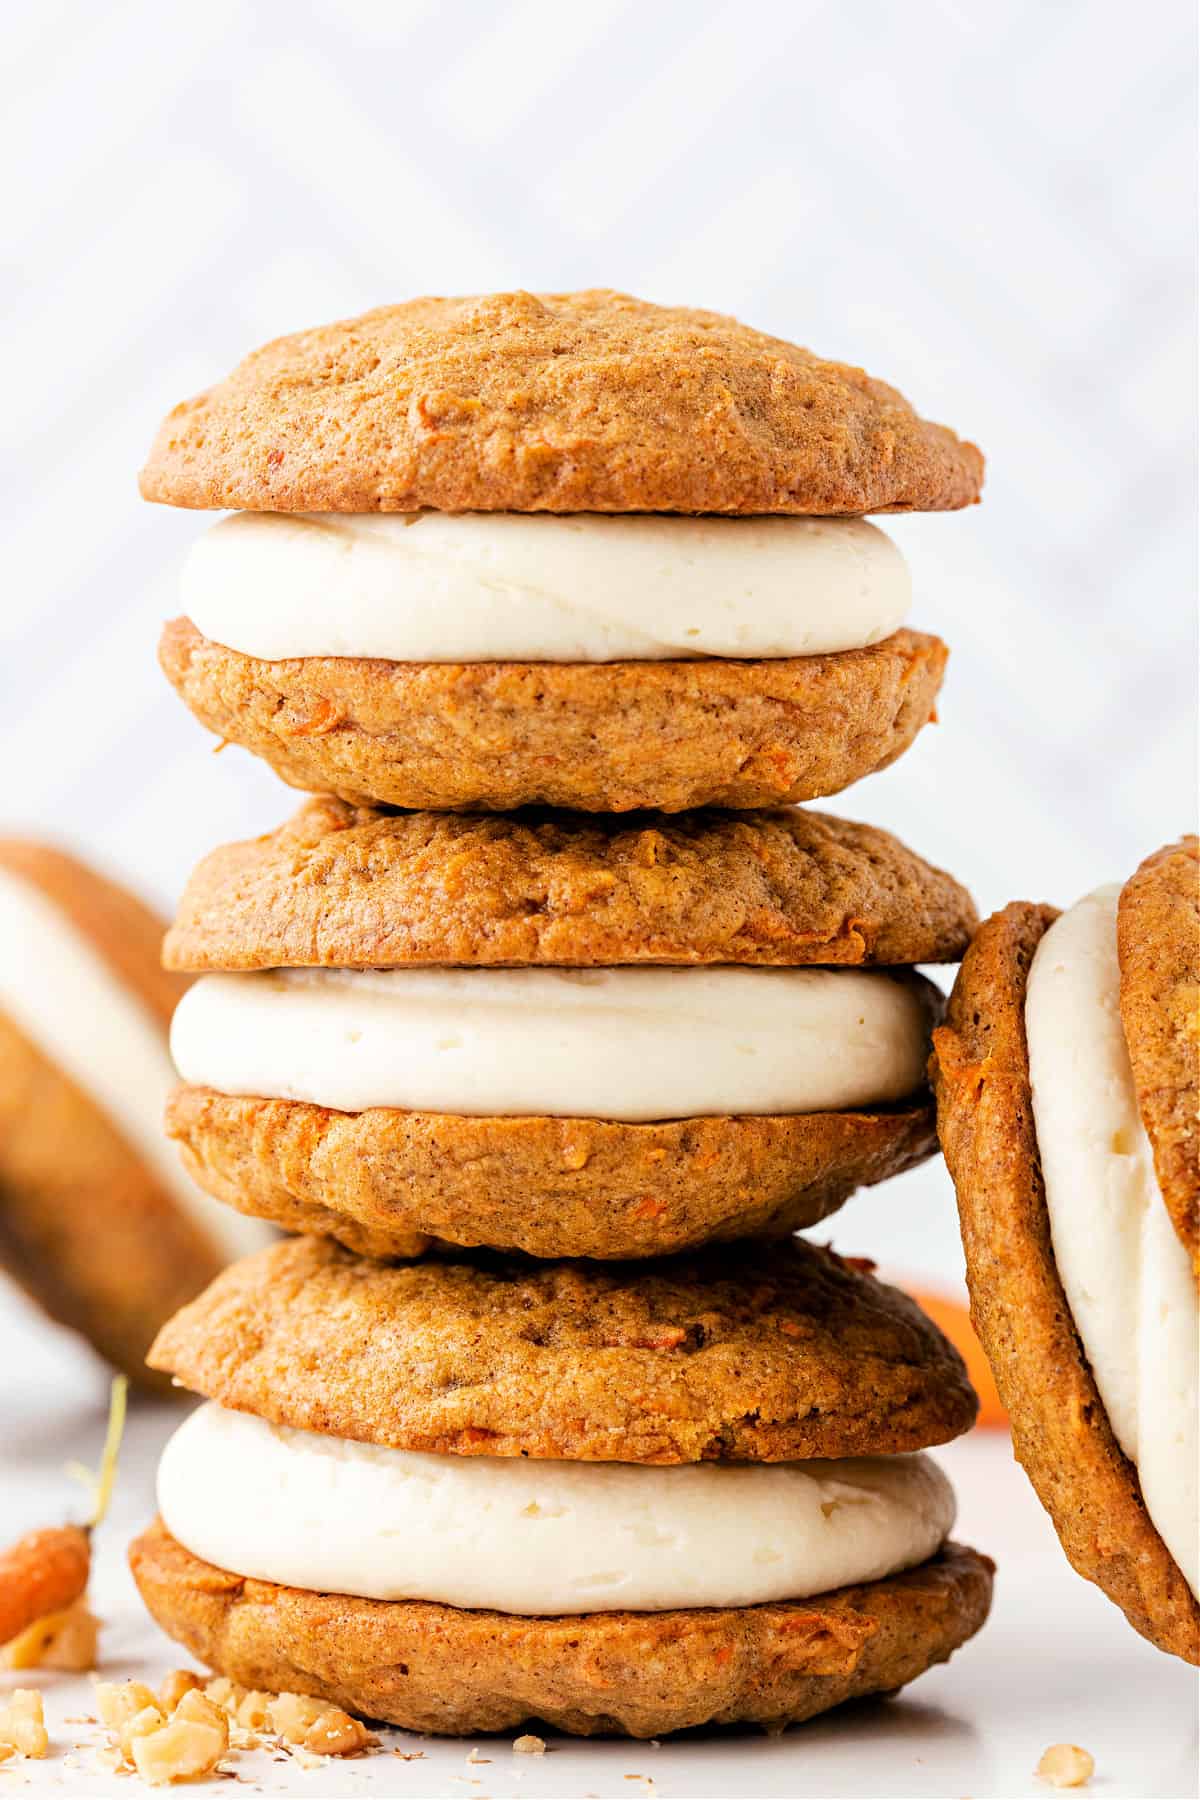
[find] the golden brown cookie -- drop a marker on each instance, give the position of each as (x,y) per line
(1061,1431)
(587,402)
(354,888)
(593,737)
(1158,942)
(86,1225)
(440,1669)
(383,1181)
(756,1353)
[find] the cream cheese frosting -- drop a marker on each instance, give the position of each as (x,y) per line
(61,993)
(632,1044)
(538,587)
(539,1538)
(1125,1273)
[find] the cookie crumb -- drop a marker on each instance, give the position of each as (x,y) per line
(1066,1765)
(528,1745)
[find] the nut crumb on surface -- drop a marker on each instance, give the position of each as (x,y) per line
(190,1727)
(175,1685)
(1066,1765)
(528,1745)
(23,1725)
(190,1743)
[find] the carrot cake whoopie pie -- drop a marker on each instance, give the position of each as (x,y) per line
(1067,1085)
(98,1222)
(459,1495)
(570,549)
(467,1026)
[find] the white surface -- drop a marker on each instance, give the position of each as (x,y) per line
(633,1044)
(524,1536)
(1127,1277)
(1056,1662)
(465,587)
(991,207)
(63,995)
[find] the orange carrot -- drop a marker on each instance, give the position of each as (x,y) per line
(955,1321)
(43,1572)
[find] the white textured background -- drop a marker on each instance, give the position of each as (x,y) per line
(989,205)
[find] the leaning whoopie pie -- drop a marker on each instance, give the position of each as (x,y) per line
(574,550)
(98,1222)
(573,1036)
(459,1495)
(1067,1087)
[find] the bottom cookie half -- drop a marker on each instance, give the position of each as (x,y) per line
(383,1182)
(439,1669)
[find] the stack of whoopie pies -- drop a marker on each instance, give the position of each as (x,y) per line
(559,577)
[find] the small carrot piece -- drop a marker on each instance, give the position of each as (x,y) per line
(47,1571)
(43,1572)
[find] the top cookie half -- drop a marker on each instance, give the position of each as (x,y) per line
(562,403)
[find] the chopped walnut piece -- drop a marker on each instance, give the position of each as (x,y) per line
(335,1733)
(254,1710)
(174,1686)
(118,1701)
(191,1742)
(528,1745)
(23,1723)
(1066,1765)
(151,1718)
(293,1715)
(224,1693)
(62,1640)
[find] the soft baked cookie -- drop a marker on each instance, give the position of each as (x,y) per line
(596,1078)
(1092,1342)
(384,1181)
(1158,941)
(575,551)
(598,737)
(585,402)
(576,1494)
(451,1672)
(765,1353)
(357,888)
(96,1223)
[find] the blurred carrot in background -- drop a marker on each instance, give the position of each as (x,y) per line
(953,1318)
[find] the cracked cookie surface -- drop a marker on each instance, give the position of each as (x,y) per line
(578,402)
(753,1353)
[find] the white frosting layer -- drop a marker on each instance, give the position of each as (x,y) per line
(632,1044)
(62,994)
(320,1512)
(1124,1271)
(492,587)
